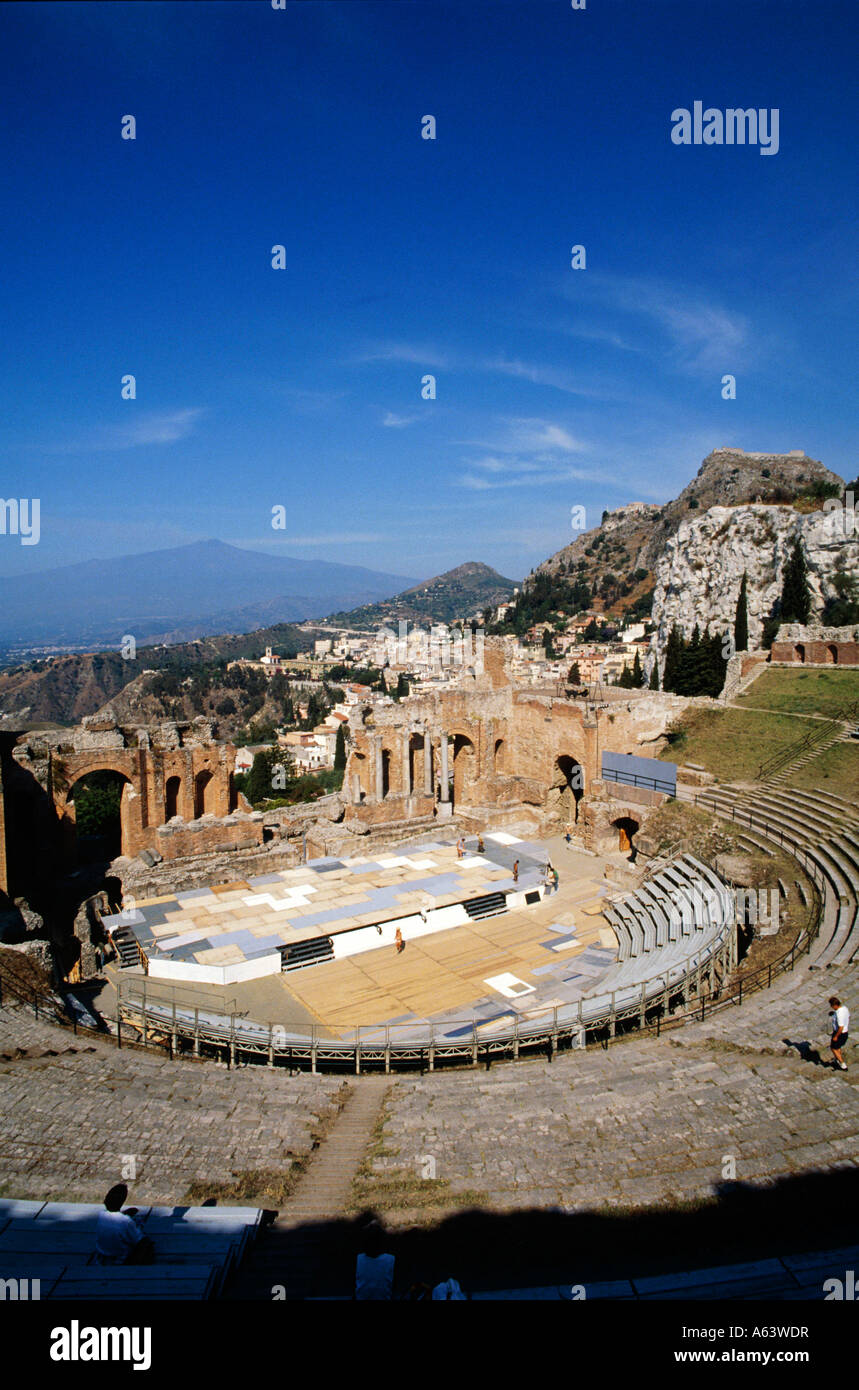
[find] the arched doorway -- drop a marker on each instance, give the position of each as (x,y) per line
(464,767)
(93,815)
(414,778)
(202,794)
(359,775)
(386,772)
(831,654)
(626,828)
(799,652)
(572,785)
(500,756)
(171,797)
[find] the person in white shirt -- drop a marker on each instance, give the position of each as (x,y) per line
(839,1023)
(118,1238)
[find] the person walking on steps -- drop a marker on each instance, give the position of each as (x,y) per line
(516,871)
(839,1023)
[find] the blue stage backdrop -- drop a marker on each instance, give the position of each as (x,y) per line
(640,772)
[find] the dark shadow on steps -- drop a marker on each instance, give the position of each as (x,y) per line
(492,1250)
(806,1052)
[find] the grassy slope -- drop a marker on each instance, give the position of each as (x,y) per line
(803,692)
(732,743)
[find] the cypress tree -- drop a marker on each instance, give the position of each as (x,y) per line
(636,672)
(741,621)
(795,593)
(340,750)
(259,786)
(654,675)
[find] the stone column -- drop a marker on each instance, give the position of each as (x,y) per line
(428,787)
(356,788)
(377,758)
(407,765)
(445,790)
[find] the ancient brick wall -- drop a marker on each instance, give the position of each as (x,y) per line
(817,653)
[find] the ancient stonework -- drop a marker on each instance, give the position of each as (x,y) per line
(169,770)
(817,646)
(483,748)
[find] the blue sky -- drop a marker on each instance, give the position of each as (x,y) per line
(555,387)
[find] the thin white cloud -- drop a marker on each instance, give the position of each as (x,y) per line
(529,453)
(165,428)
(701,335)
(403,352)
(528,475)
(523,433)
(399,422)
(559,379)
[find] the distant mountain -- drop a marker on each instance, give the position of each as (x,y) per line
(177,595)
(457,594)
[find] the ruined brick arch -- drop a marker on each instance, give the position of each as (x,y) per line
(64,802)
(832,653)
(203,795)
(359,767)
(155,779)
(68,771)
(799,651)
(172,794)
(627,828)
(501,755)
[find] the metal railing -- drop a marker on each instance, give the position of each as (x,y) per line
(709,982)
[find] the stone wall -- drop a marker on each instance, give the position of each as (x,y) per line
(209,835)
(814,645)
(483,745)
(169,770)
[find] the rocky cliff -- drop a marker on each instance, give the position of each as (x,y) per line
(618,558)
(699,575)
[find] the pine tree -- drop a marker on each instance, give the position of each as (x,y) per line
(574,674)
(741,621)
(795,593)
(340,750)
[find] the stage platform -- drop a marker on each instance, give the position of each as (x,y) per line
(519,959)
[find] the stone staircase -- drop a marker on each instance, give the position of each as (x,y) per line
(310,1241)
(782,777)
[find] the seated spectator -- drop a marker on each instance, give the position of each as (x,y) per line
(449,1290)
(118,1238)
(374,1270)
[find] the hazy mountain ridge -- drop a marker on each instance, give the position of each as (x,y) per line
(446,598)
(178,594)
